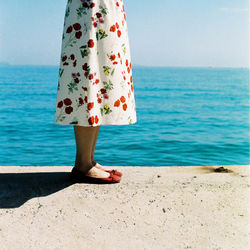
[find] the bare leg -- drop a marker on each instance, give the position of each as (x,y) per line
(96,164)
(85,139)
(94,144)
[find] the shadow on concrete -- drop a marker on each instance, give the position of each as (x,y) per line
(17,188)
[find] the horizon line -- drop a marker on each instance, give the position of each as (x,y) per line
(2,64)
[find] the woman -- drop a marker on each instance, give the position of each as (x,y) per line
(95,85)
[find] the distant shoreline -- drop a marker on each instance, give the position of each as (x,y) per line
(6,64)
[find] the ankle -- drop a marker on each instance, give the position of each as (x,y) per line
(84,167)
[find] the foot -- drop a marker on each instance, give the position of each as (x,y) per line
(109,170)
(99,166)
(97,173)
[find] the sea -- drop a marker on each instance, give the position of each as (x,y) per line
(186,116)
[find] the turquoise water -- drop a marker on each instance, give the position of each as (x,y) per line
(186,116)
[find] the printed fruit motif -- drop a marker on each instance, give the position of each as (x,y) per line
(91,43)
(115,27)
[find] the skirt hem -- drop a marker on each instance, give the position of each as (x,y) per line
(95,125)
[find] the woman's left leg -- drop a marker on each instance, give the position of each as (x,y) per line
(97,165)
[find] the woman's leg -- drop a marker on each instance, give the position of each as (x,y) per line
(85,139)
(96,164)
(94,144)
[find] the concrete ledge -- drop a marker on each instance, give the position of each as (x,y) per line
(191,207)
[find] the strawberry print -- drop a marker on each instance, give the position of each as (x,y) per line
(95,80)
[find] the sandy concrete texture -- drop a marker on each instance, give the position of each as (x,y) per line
(191,207)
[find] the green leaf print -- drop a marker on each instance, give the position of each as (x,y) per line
(75,121)
(112,72)
(61,72)
(84,52)
(103,10)
(67,10)
(108,86)
(71,41)
(81,11)
(72,86)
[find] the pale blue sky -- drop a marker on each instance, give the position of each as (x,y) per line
(161,32)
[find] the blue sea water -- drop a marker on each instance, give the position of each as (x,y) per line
(186,117)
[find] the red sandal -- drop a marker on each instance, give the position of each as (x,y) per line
(113,171)
(78,176)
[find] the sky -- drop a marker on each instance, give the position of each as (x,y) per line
(192,33)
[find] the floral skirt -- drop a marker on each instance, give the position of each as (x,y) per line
(95,83)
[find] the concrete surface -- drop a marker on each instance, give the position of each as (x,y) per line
(151,208)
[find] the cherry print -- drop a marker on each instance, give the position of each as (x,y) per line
(123,99)
(96,119)
(77,26)
(106,96)
(69,29)
(67,101)
(78,34)
(124,106)
(117,103)
(90,105)
(68,110)
(80,100)
(91,43)
(91,120)
(112,57)
(66,60)
(85,66)
(112,28)
(60,104)
(98,14)
(87,4)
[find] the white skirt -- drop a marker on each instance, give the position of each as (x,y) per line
(95,83)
